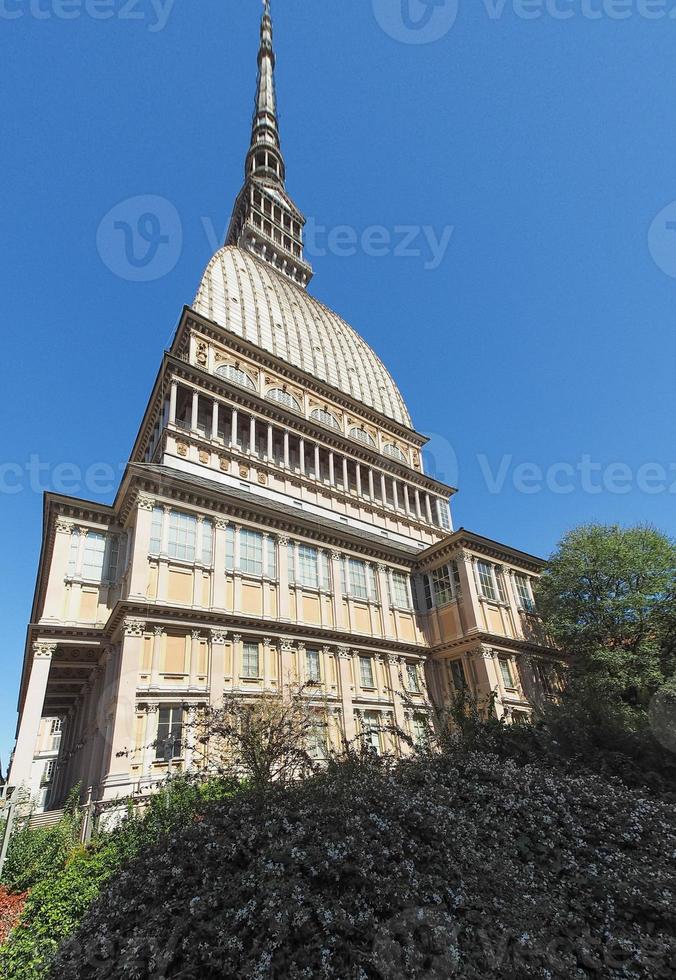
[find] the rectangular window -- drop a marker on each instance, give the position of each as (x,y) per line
(506,673)
(444,513)
(207,543)
(113,557)
(272,558)
(94,552)
(427,583)
(412,679)
(317,742)
(182,535)
(443,585)
(251,552)
(308,566)
(324,572)
(420,730)
(250,661)
(366,672)
(56,726)
(372,730)
(169,733)
(156,531)
(312,665)
(229,548)
(543,672)
(523,593)
(372,583)
(458,675)
(48,771)
(486,587)
(357,570)
(399,590)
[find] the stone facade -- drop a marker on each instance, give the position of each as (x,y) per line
(274,524)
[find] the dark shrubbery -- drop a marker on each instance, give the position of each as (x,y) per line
(465,864)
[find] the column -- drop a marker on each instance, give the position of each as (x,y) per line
(287,453)
(384,598)
(218,585)
(332,469)
(346,480)
(394,681)
(195,410)
(214,420)
(237,580)
(270,441)
(138,579)
(286,665)
(197,570)
(252,435)
(158,634)
(173,398)
(31,713)
(236,659)
(417,504)
(337,591)
(383,489)
(217,667)
(345,675)
(318,469)
(123,720)
(395,494)
(469,599)
(283,561)
(372,489)
(359,488)
(301,454)
(54,599)
(234,435)
(428,509)
(267,644)
(407,500)
(195,637)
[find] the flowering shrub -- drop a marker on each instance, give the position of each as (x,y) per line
(10,910)
(57,904)
(464,864)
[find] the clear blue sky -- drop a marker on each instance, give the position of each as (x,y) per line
(544,336)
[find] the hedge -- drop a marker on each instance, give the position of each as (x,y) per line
(466,865)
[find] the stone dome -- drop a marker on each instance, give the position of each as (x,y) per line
(254,301)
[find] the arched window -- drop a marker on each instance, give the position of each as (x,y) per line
(284,398)
(326,418)
(231,373)
(389,449)
(362,436)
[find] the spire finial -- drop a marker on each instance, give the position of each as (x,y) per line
(265,219)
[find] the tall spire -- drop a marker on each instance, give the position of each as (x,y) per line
(265,220)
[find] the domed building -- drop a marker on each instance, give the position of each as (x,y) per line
(274,526)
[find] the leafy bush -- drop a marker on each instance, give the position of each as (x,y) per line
(56,904)
(461,864)
(35,854)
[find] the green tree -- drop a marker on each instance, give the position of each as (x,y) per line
(608,598)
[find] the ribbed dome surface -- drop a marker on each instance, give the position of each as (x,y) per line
(252,300)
